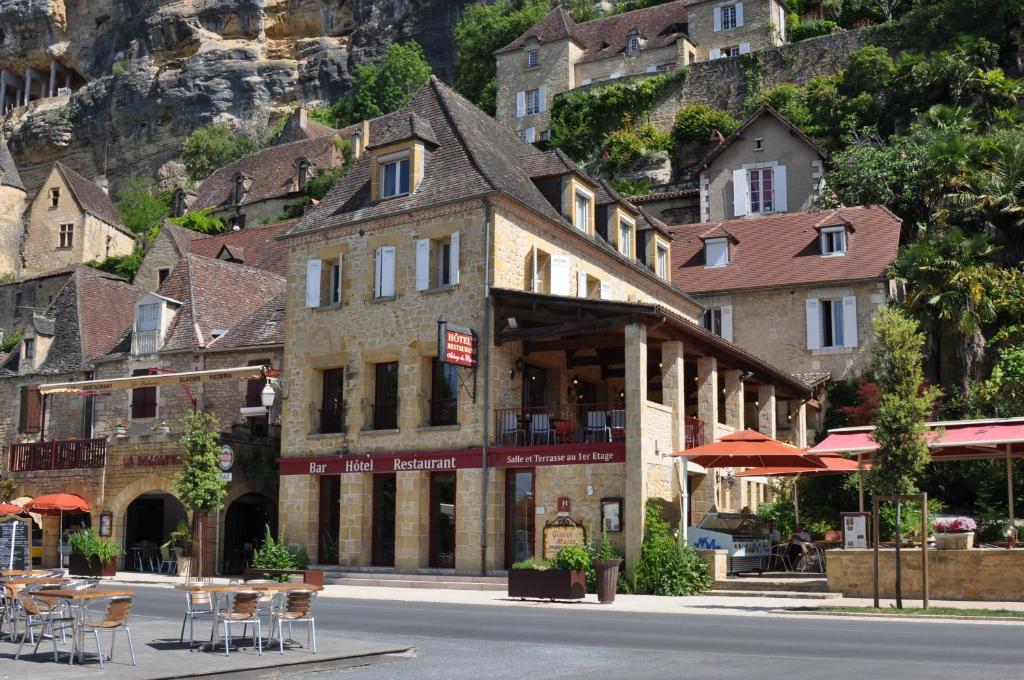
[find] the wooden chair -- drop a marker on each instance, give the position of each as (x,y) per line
(244,610)
(198,605)
(115,618)
(10,608)
(43,617)
(297,608)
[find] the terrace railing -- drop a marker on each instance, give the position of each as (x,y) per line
(69,454)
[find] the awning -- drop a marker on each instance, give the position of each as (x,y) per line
(748,448)
(949,440)
(184,378)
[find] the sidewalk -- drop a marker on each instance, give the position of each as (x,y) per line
(650,604)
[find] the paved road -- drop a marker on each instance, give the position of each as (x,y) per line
(468,641)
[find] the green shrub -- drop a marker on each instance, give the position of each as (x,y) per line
(384,87)
(275,554)
(572,557)
(629,145)
(212,147)
(89,545)
(11,340)
(667,566)
(812,28)
(532,563)
(118,68)
(125,266)
(780,512)
(202,221)
(638,186)
(141,206)
(696,122)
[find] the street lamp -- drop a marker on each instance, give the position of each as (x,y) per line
(267,396)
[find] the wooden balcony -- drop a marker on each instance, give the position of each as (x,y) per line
(70,454)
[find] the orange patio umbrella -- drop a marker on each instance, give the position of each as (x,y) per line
(57,504)
(827,465)
(10,509)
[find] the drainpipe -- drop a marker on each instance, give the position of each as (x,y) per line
(485,350)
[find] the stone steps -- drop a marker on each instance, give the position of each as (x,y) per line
(791,584)
(787,594)
(389,578)
(403,583)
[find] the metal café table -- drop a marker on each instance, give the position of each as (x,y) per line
(216,590)
(79,599)
(30,580)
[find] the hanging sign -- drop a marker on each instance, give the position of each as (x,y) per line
(456,345)
(562,532)
(15,533)
(226,458)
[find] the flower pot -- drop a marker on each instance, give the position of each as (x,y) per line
(120,431)
(79,566)
(959,541)
(184,566)
(607,572)
(547,584)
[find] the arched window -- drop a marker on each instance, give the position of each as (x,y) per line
(239,192)
(178,207)
(301,173)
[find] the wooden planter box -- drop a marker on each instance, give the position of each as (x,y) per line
(79,566)
(547,584)
(314,577)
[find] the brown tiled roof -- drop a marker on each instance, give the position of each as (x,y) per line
(783,250)
(265,326)
(215,296)
(272,172)
(181,237)
(8,170)
(762,110)
(70,269)
(257,246)
(91,198)
(106,310)
(608,36)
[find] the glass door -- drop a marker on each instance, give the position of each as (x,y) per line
(442,520)
(383,546)
(329,520)
(519,515)
(535,386)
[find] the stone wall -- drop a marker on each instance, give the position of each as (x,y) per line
(626,64)
(12,206)
(163,254)
(64,412)
(989,575)
(256,214)
(554,71)
(763,26)
(36,296)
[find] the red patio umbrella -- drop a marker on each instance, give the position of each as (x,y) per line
(830,465)
(57,504)
(749,448)
(10,509)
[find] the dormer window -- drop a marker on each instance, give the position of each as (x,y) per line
(239,191)
(145,339)
(716,252)
(30,349)
(581,215)
(661,261)
(833,241)
(394,175)
(634,43)
(179,207)
(626,237)
(532,59)
(301,173)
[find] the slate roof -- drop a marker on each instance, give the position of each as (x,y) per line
(265,326)
(181,237)
(783,250)
(294,129)
(8,170)
(91,198)
(214,295)
(608,36)
(272,171)
(763,110)
(402,128)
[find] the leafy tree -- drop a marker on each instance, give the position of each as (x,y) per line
(879,173)
(904,404)
(384,87)
(483,30)
(11,340)
(202,221)
(212,147)
(696,123)
(141,206)
(199,486)
(125,266)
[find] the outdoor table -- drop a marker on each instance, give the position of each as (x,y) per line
(30,572)
(78,600)
(28,580)
(216,590)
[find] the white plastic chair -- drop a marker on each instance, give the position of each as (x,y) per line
(542,428)
(597,424)
(509,425)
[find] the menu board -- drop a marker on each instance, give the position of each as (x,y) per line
(15,550)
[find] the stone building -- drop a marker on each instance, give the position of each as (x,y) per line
(557,54)
(208,314)
(729,28)
(71,220)
(571,365)
(258,188)
(12,208)
(801,288)
(767,166)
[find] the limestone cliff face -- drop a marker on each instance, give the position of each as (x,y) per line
(144,73)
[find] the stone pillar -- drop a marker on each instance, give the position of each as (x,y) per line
(800,425)
(766,410)
(356,519)
(707,395)
(299,511)
(28,86)
(3,89)
(673,390)
(636,465)
(412,519)
(734,416)
(468,516)
(53,78)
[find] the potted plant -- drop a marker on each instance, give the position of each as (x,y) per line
(162,427)
(273,559)
(120,427)
(564,578)
(954,533)
(180,543)
(606,565)
(92,555)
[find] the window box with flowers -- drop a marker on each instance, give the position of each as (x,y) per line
(120,427)
(954,533)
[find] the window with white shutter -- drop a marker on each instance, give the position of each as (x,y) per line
(453,260)
(833,326)
(727,322)
(744,47)
(542,96)
(520,104)
(849,321)
(740,193)
(739,14)
(781,204)
(560,274)
(606,291)
(581,284)
(313,269)
(423,264)
(717,19)
(384,285)
(813,323)
(714,53)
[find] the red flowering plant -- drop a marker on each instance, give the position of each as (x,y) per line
(954,525)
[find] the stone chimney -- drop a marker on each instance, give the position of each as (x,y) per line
(303,117)
(103,183)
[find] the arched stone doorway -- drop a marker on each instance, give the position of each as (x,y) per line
(245,525)
(149,520)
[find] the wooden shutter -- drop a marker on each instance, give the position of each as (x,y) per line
(813,307)
(739,14)
(542,100)
(520,104)
(30,418)
(313,268)
(560,275)
(744,47)
(453,260)
(714,53)
(718,19)
(779,183)
(143,399)
(727,322)
(849,321)
(387,271)
(606,291)
(740,193)
(423,264)
(581,284)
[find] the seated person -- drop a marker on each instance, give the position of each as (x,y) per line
(795,546)
(773,534)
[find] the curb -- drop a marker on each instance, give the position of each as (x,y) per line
(1010,620)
